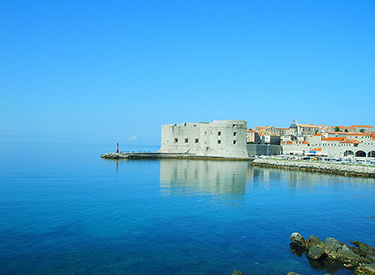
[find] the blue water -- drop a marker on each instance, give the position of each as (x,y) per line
(64,210)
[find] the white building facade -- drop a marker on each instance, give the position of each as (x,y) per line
(351,145)
(217,139)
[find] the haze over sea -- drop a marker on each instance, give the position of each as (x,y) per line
(64,210)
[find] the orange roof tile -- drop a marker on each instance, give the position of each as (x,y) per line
(354,141)
(363,126)
(307,125)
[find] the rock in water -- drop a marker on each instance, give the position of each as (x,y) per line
(367,249)
(314,241)
(316,252)
(337,250)
(366,269)
(331,247)
(297,238)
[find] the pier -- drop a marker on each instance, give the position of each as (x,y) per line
(166,156)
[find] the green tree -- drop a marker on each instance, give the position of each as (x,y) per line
(362,130)
(337,129)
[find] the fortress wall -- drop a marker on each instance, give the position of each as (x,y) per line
(218,138)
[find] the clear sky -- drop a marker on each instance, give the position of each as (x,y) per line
(118,70)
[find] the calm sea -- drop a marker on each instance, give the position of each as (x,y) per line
(64,210)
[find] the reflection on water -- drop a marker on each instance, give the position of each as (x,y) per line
(231,178)
(185,177)
(300,179)
(79,214)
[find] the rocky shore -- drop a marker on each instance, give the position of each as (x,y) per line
(360,258)
(333,168)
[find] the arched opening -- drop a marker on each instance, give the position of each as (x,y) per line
(348,153)
(360,154)
(371,154)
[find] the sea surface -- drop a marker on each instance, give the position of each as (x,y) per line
(64,210)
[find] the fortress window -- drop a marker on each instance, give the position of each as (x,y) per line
(219,142)
(219,133)
(175,140)
(196,140)
(186,140)
(234,133)
(234,141)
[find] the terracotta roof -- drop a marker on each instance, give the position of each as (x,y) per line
(295,142)
(308,125)
(316,149)
(362,126)
(318,135)
(262,128)
(354,141)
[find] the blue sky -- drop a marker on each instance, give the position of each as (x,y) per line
(118,70)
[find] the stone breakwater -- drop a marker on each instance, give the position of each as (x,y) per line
(117,156)
(333,168)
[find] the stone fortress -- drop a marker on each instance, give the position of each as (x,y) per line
(216,139)
(232,139)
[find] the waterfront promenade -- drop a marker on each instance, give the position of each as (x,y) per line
(316,166)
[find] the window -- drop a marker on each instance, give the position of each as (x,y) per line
(234,134)
(219,133)
(219,142)
(186,140)
(196,140)
(175,140)
(234,141)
